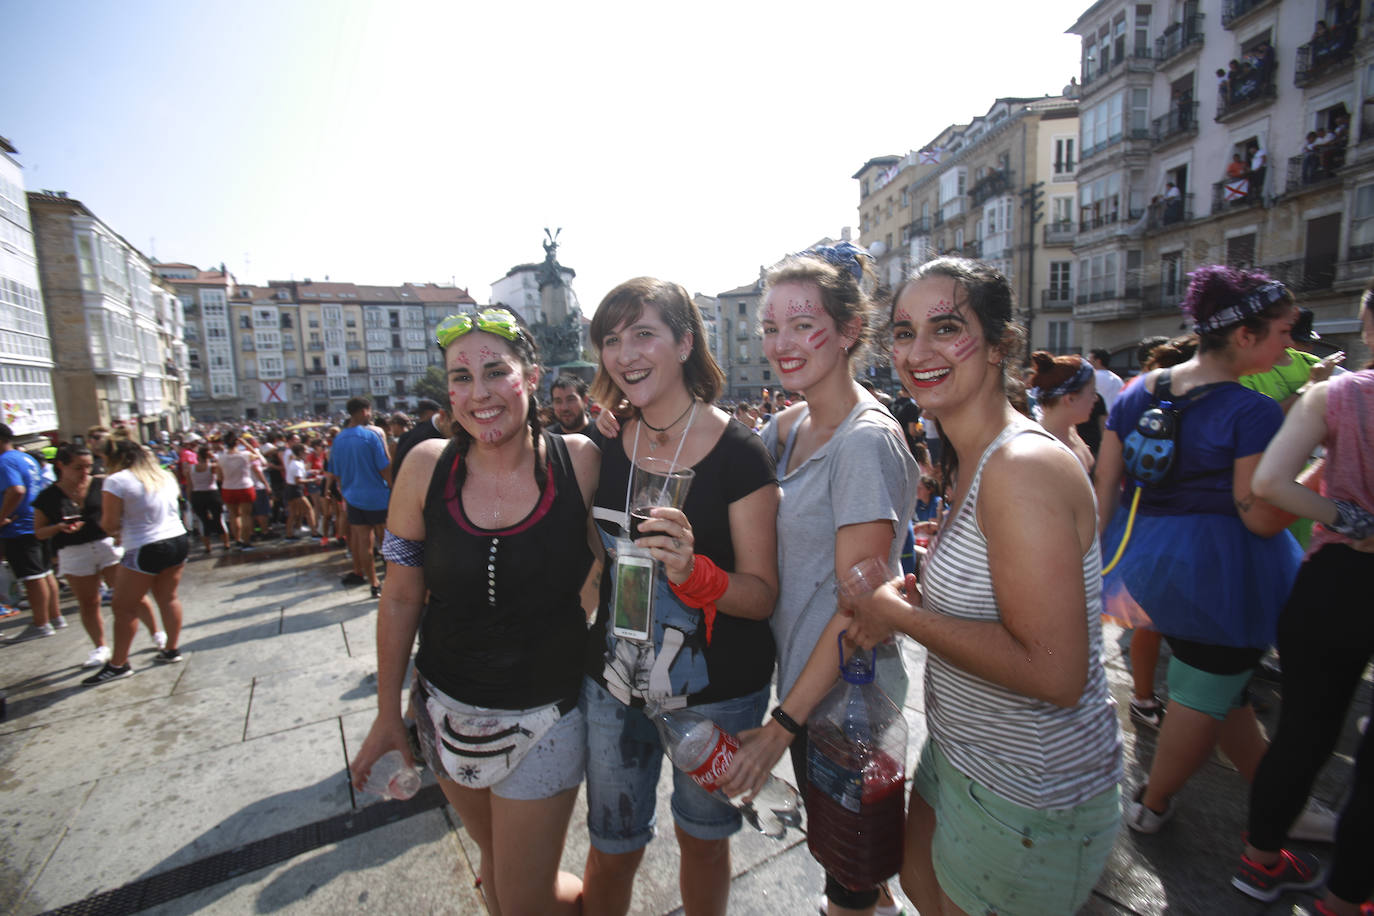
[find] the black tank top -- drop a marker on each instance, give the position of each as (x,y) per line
(504,627)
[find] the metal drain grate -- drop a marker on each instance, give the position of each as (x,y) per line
(211,870)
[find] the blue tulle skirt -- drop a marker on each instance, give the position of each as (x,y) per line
(1201,577)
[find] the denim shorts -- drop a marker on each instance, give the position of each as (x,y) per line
(624,756)
(992,855)
(89,558)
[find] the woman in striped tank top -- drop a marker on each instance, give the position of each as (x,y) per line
(1016,804)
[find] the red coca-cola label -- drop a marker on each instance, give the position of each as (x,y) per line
(717,762)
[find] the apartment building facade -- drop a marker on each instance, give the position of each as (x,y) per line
(1195,127)
(296,348)
(113,325)
(999,189)
(27,403)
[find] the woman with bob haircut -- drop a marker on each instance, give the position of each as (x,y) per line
(1015,802)
(140,502)
(709,646)
(849,490)
(1208,563)
(488,547)
(1064,388)
(1325,639)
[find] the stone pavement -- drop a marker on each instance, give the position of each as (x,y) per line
(220,785)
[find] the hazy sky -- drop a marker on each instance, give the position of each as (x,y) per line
(384,141)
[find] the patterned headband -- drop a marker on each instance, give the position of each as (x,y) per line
(844,255)
(1251,304)
(1071,384)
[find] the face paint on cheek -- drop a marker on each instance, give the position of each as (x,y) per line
(964,346)
(818,339)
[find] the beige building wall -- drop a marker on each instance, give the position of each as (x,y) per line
(1153,114)
(974,201)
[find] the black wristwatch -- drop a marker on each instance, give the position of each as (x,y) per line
(786,721)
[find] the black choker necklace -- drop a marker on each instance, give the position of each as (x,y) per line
(662,431)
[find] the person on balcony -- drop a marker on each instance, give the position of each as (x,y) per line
(1173,203)
(1259,164)
(1265,61)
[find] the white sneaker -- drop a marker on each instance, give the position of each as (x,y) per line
(1140,818)
(59,623)
(161,639)
(98,657)
(1316,824)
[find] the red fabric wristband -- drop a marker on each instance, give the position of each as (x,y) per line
(702,588)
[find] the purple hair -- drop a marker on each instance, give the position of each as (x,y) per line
(1214,287)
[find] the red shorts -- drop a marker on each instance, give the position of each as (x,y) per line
(237,497)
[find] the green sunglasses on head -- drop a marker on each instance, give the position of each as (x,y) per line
(494,321)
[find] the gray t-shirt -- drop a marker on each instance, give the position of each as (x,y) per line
(863,474)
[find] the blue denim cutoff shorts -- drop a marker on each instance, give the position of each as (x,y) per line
(624,756)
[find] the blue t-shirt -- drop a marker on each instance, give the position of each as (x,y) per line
(1227,423)
(357,459)
(19,469)
(929,512)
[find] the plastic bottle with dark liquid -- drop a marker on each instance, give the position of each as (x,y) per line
(856,771)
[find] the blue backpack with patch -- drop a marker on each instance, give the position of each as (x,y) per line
(1150,451)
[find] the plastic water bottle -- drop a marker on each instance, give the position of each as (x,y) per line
(703,750)
(855,771)
(391,777)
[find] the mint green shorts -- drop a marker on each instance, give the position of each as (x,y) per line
(993,856)
(1213,694)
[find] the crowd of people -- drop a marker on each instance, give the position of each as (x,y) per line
(1011,511)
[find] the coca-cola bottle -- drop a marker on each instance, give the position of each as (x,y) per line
(703,750)
(855,770)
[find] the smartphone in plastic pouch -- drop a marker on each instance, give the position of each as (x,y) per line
(633,595)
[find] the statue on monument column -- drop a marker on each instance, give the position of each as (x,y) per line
(551,272)
(560,332)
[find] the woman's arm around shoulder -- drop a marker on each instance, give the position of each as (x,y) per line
(1275,477)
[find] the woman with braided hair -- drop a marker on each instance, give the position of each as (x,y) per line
(493,524)
(849,490)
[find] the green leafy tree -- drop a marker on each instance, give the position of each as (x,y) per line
(432,385)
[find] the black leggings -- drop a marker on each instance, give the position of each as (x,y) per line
(834,890)
(1326,637)
(208,508)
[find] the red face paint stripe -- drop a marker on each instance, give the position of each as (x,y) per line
(965,348)
(819,339)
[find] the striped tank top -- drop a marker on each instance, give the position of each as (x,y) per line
(1026,750)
